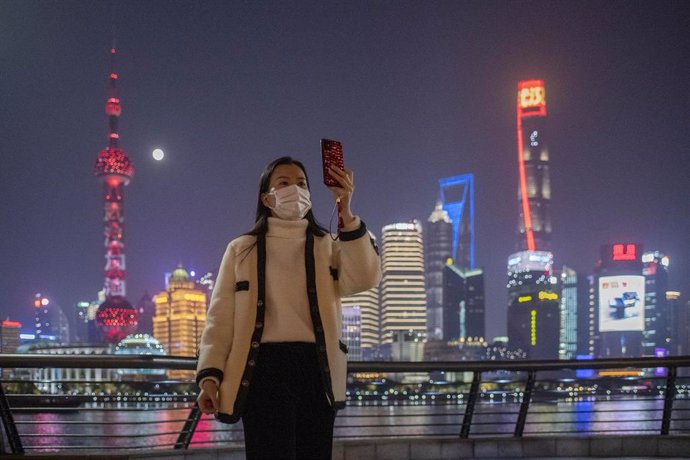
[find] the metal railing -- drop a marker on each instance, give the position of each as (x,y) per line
(486,398)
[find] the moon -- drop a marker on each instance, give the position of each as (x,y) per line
(158,154)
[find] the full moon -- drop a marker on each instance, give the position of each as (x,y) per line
(158,154)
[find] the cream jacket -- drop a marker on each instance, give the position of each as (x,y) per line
(231,338)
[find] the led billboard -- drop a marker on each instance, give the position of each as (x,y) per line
(621,303)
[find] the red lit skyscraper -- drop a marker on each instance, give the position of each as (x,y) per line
(533,164)
(116,317)
(533,301)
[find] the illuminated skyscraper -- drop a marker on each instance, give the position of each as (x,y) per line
(403,297)
(681,319)
(9,336)
(457,199)
(533,306)
(146,308)
(659,313)
(352,332)
(534,191)
(50,321)
(9,342)
(587,323)
(116,317)
(463,305)
(449,238)
(570,299)
(180,317)
(619,298)
(86,329)
(438,248)
(367,303)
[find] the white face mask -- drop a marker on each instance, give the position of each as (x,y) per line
(291,202)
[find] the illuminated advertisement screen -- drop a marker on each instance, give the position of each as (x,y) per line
(621,303)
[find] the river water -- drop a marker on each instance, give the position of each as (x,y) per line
(149,425)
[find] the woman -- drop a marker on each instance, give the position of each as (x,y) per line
(270,352)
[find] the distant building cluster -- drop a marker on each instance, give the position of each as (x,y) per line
(430,304)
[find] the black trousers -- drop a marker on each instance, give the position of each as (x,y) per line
(287,415)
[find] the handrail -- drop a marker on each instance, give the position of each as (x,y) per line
(178,362)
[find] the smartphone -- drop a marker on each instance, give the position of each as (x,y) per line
(331,156)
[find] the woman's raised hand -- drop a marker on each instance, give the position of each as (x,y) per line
(344,192)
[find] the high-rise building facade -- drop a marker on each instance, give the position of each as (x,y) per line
(533,305)
(533,298)
(352,332)
(50,321)
(570,299)
(464,317)
(9,342)
(367,303)
(86,329)
(658,313)
(116,317)
(9,336)
(438,248)
(619,295)
(534,191)
(457,199)
(587,322)
(146,308)
(403,295)
(680,345)
(180,318)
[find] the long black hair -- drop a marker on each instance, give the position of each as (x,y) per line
(263,212)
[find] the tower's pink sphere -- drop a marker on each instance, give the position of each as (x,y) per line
(113,160)
(116,318)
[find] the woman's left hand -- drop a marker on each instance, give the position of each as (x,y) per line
(347,187)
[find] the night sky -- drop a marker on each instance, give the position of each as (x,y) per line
(416,91)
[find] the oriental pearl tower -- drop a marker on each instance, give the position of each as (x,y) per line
(116,317)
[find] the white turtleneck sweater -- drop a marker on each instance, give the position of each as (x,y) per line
(287,306)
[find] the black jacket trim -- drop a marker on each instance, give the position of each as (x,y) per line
(354,234)
(319,335)
(209,372)
(241,286)
(254,345)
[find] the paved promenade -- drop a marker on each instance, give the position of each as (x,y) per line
(566,448)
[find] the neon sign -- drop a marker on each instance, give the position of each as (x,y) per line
(624,252)
(543,295)
(532,98)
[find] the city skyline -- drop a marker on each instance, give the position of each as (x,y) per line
(224,91)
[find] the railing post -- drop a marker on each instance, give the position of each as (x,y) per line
(189,427)
(469,408)
(669,396)
(524,407)
(10,428)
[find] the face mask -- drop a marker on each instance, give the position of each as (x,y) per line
(291,202)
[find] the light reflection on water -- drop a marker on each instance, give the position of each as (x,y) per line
(153,426)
